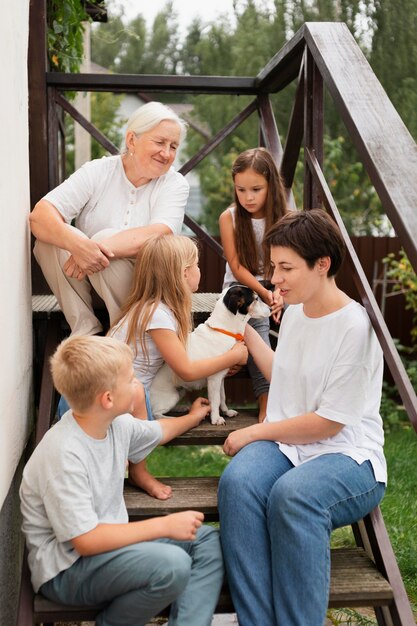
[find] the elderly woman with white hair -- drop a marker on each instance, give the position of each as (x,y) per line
(117,203)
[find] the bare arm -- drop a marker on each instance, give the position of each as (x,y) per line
(174,353)
(262,354)
(240,272)
(303,429)
(48,225)
(105,537)
(126,243)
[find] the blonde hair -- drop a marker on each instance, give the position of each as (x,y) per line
(159,276)
(84,366)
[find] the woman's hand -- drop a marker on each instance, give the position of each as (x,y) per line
(237,440)
(87,258)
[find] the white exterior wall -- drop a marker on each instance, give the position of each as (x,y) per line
(15,294)
(15,305)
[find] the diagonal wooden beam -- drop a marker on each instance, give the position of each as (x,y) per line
(271,138)
(87,125)
(295,134)
(391,355)
(269,128)
(218,138)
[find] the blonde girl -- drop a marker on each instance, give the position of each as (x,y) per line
(156,319)
(260,200)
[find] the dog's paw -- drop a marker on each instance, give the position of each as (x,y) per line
(218,420)
(231,413)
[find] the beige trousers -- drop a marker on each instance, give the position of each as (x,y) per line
(74,296)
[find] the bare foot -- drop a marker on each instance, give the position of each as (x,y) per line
(153,486)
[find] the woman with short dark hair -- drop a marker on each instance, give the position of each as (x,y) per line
(316,463)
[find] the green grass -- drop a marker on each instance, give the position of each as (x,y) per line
(399,506)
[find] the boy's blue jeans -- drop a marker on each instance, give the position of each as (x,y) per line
(276,521)
(136,582)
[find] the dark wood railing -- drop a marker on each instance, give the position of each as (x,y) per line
(320,56)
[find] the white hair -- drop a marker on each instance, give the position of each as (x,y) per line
(150,115)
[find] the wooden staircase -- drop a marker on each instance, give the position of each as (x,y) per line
(366,575)
(359,577)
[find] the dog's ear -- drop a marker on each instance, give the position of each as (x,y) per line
(235,299)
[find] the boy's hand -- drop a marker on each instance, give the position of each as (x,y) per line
(241,352)
(200,408)
(183,526)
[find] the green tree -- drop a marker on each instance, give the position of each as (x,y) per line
(394,55)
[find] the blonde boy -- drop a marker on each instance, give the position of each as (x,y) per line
(82,548)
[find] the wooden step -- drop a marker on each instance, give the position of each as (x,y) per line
(355,582)
(208,434)
(196,493)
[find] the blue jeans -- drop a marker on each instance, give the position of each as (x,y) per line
(276,521)
(259,383)
(136,582)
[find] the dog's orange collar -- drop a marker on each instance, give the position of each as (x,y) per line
(236,336)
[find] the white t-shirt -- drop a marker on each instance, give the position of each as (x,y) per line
(333,366)
(145,369)
(99,196)
(258,226)
(72,483)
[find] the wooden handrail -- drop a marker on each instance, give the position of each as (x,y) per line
(391,355)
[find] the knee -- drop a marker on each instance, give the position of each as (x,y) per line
(104,234)
(209,548)
(177,571)
(291,501)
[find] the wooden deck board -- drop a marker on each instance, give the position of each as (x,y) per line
(208,434)
(355,582)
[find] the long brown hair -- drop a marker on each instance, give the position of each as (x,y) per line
(159,277)
(261,161)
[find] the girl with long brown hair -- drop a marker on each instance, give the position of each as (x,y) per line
(260,200)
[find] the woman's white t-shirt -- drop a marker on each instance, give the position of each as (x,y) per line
(333,366)
(146,369)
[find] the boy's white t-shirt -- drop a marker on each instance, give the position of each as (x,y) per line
(73,482)
(145,370)
(333,366)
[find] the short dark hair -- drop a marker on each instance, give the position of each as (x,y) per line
(312,234)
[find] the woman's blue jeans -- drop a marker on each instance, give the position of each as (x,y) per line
(275,524)
(136,582)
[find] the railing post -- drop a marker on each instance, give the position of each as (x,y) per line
(313,127)
(38,110)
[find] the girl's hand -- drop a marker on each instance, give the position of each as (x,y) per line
(237,440)
(234,370)
(277,306)
(200,408)
(240,352)
(183,526)
(267,296)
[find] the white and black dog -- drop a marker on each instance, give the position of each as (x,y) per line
(220,331)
